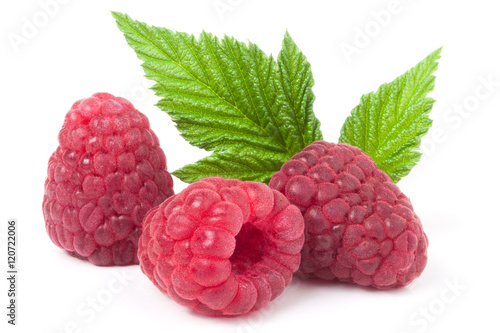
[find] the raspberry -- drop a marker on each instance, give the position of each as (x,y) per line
(359,227)
(222,247)
(107,172)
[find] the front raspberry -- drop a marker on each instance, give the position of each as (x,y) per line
(359,227)
(107,172)
(222,247)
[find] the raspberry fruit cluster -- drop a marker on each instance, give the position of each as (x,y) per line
(224,247)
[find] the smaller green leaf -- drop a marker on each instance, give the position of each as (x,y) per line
(389,123)
(241,164)
(294,83)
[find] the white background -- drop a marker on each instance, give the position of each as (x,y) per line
(78,50)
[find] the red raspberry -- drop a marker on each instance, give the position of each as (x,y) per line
(223,247)
(359,227)
(107,172)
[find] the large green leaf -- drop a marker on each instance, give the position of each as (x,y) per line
(229,97)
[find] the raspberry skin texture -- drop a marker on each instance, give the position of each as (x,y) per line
(222,247)
(104,176)
(359,227)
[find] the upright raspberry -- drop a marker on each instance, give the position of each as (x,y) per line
(107,172)
(222,247)
(359,227)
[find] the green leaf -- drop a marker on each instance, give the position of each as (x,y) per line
(294,83)
(388,124)
(247,166)
(228,97)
